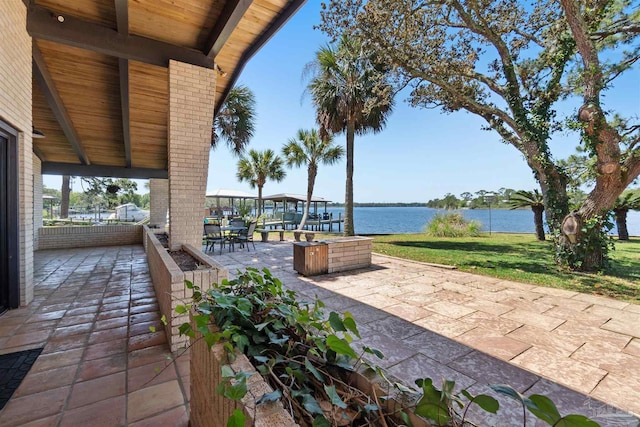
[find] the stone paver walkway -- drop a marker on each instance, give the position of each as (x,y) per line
(578,349)
(100,366)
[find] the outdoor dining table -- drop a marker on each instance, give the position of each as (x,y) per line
(229,230)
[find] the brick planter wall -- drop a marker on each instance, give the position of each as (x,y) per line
(89,236)
(349,253)
(168,282)
(209,409)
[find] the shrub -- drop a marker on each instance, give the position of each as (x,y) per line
(452,224)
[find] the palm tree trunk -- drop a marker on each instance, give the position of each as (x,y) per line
(348,194)
(537,220)
(65,192)
(311,181)
(259,200)
(621,223)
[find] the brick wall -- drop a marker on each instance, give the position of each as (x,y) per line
(159,193)
(37,201)
(210,409)
(191,103)
(15,109)
(349,253)
(89,236)
(168,282)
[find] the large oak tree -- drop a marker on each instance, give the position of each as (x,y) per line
(509,63)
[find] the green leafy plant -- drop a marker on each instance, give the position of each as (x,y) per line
(452,224)
(308,359)
(306,356)
(447,408)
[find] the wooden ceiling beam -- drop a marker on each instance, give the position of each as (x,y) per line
(44,79)
(122,20)
(45,24)
(228,20)
(55,168)
(257,45)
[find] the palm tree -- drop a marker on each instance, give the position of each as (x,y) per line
(629,200)
(351,95)
(65,192)
(235,122)
(533,199)
(309,149)
(259,166)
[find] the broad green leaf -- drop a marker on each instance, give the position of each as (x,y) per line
(181,309)
(405,418)
(261,359)
(237,419)
(336,323)
(227,372)
(334,397)
(574,420)
(488,403)
(313,370)
(163,319)
(270,397)
(350,324)
(263,325)
(311,404)
(340,346)
(236,391)
(152,328)
(321,421)
(508,391)
(431,404)
(544,409)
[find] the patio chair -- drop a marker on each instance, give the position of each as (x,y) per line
(246,236)
(213,235)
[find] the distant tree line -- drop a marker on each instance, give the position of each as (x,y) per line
(480,199)
(381,205)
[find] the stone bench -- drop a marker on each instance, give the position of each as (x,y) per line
(265,234)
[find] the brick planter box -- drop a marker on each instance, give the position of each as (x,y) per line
(332,255)
(168,281)
(210,409)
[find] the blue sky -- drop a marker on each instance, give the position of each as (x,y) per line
(420,155)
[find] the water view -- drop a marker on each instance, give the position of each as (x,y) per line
(390,220)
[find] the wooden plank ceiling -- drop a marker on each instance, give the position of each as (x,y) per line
(100,73)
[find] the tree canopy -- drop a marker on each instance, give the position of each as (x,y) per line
(510,63)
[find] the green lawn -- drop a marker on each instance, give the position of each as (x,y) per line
(519,257)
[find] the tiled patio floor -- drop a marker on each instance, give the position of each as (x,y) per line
(578,349)
(91,312)
(93,308)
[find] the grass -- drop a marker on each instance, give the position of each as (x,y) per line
(519,257)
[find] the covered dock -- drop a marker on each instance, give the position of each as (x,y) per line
(287,210)
(226,202)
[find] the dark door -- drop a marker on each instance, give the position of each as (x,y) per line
(9,285)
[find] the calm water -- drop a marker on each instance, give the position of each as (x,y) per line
(391,220)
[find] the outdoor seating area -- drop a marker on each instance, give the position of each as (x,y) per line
(236,232)
(93,308)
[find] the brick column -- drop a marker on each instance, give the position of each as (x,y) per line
(37,201)
(191,103)
(159,194)
(15,109)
